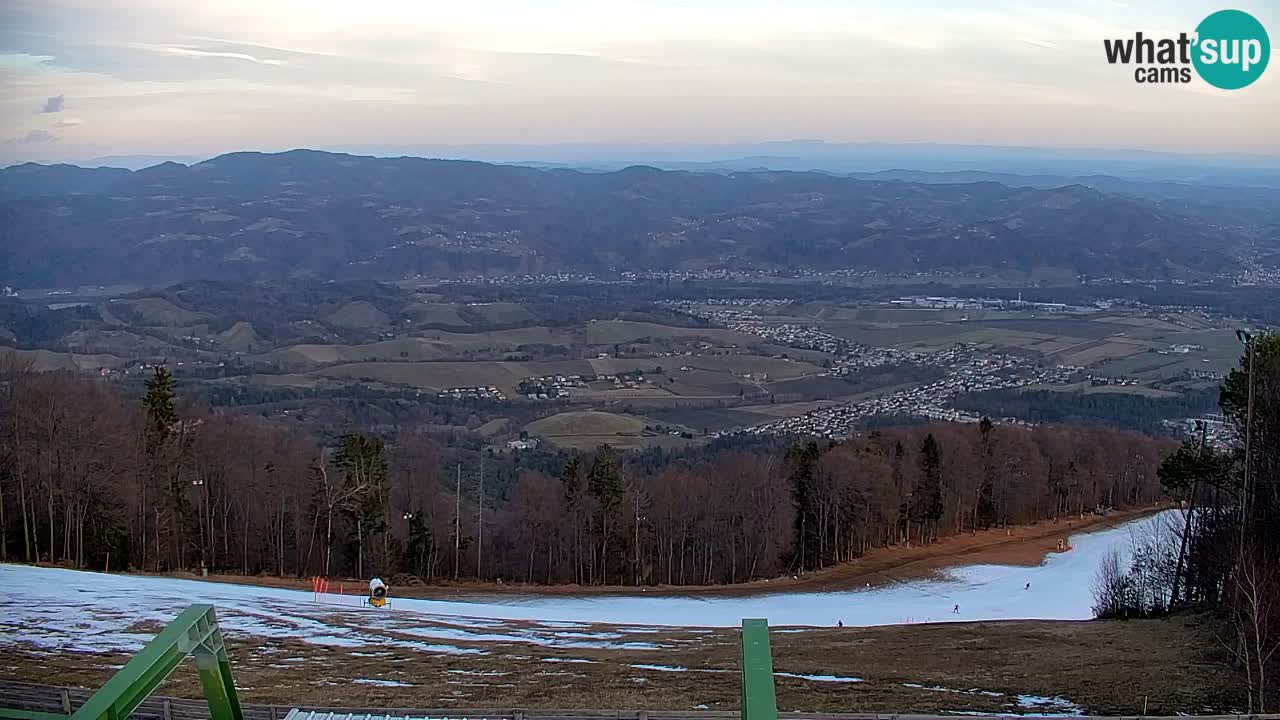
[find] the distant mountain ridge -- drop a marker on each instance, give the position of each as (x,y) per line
(303,213)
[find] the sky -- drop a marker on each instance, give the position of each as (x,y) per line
(87,78)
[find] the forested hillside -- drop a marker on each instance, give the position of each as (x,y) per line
(253,216)
(162,483)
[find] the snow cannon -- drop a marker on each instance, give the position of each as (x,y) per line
(377,593)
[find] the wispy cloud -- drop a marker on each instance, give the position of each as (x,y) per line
(152,76)
(195,52)
(34,137)
(54,104)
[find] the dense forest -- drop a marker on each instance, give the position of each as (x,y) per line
(1133,411)
(90,476)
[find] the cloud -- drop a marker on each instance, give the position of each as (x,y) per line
(54,104)
(35,137)
(68,123)
(1038,43)
(193,52)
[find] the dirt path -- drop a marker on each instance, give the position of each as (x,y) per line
(1021,545)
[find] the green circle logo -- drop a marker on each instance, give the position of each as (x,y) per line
(1232,49)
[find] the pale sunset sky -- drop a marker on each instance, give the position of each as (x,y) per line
(87,78)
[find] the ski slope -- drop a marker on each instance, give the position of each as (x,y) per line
(83,611)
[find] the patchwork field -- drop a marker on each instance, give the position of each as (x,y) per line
(608,332)
(444,315)
(1118,344)
(498,313)
(449,374)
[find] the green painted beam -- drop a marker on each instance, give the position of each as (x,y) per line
(193,632)
(759,701)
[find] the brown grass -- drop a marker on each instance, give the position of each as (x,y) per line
(1104,667)
(586,422)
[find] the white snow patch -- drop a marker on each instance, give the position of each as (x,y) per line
(382,683)
(939,688)
(1063,706)
(820,678)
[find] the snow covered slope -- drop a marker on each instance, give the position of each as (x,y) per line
(69,610)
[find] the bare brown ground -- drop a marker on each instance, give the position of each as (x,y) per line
(1021,545)
(1104,667)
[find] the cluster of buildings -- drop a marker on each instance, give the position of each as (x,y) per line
(936,302)
(866,356)
(968,370)
(730,315)
(480,392)
(797,336)
(559,278)
(555,387)
(1217,430)
(550,387)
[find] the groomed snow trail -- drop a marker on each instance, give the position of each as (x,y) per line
(83,611)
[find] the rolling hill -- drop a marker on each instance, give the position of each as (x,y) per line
(300,214)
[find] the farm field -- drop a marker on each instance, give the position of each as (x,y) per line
(448,374)
(1115,343)
(586,422)
(588,429)
(609,332)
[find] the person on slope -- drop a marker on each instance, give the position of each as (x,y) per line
(956,609)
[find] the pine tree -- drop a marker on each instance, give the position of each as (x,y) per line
(984,509)
(158,405)
(803,476)
(930,492)
(361,461)
(604,485)
(169,502)
(571,481)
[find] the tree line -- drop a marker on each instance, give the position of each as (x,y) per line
(90,477)
(1224,557)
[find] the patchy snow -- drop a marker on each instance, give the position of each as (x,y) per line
(381,683)
(1060,706)
(820,678)
(65,610)
(939,688)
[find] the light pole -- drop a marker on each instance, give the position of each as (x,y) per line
(1245,337)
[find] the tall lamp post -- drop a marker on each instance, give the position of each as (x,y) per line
(1246,338)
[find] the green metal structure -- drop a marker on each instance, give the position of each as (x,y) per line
(759,701)
(194,632)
